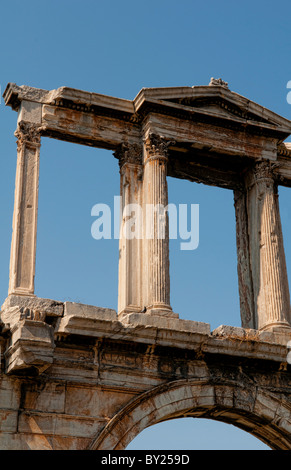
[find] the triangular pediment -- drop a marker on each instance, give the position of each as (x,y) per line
(222,107)
(217,101)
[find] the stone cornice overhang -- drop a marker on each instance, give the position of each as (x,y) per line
(180,102)
(34,328)
(103,324)
(284,150)
(83,100)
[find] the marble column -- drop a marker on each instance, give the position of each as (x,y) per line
(267,257)
(23,246)
(130,240)
(156,277)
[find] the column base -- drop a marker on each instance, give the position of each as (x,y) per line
(155,311)
(277,327)
(130,309)
(21,291)
(161,310)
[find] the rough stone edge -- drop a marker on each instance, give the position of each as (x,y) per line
(48,306)
(248,334)
(167,323)
(91,321)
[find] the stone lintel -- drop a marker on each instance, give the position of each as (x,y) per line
(218,139)
(88,128)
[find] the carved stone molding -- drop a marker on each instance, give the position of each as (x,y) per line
(28,133)
(284,149)
(157,146)
(264,170)
(129,153)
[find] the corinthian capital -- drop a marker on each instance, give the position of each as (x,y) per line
(264,170)
(28,133)
(157,145)
(129,153)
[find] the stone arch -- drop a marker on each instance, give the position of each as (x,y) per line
(259,412)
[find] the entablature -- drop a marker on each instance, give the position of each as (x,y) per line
(218,134)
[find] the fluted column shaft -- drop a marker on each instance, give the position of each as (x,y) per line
(268,264)
(23,246)
(156,286)
(130,240)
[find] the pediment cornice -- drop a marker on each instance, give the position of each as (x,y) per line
(214,102)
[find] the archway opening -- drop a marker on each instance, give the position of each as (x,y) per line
(195,434)
(258,412)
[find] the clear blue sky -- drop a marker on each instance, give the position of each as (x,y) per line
(117,48)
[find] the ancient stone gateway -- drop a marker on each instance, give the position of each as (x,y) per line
(76,376)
